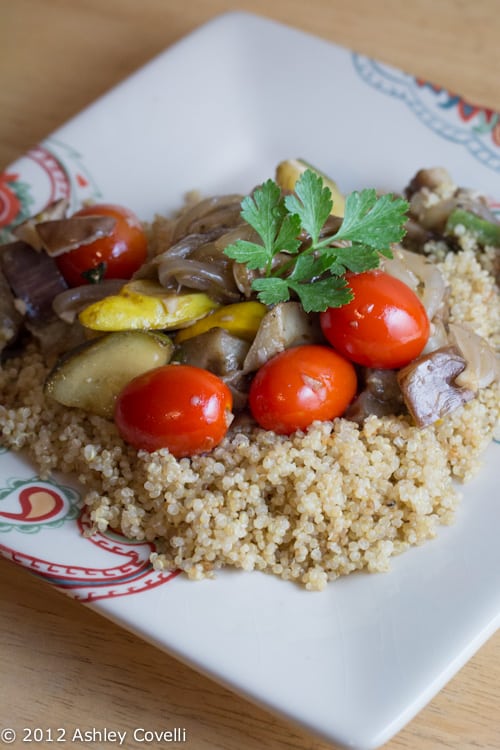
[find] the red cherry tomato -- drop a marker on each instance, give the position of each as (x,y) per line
(116,256)
(299,386)
(385,325)
(179,407)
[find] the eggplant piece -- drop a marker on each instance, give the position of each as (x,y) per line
(222,353)
(10,319)
(34,279)
(215,350)
(284,326)
(239,385)
(91,376)
(366,405)
(380,396)
(54,337)
(428,385)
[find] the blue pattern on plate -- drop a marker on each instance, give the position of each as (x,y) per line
(446,114)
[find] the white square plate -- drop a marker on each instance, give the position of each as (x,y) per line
(217,112)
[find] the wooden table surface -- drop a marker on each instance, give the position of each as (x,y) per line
(62,665)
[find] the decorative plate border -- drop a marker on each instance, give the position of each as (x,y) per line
(34,506)
(477,129)
(48,172)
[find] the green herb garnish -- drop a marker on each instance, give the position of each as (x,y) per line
(315,270)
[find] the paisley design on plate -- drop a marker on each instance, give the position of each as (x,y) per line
(30,505)
(474,128)
(119,566)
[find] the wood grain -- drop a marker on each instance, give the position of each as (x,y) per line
(61,664)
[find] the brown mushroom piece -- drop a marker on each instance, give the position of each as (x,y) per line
(27,231)
(61,236)
(436,216)
(428,385)
(429,178)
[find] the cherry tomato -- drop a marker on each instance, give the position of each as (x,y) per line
(385,325)
(179,407)
(116,256)
(299,386)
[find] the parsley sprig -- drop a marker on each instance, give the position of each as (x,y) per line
(315,269)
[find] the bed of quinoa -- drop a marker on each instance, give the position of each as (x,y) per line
(308,508)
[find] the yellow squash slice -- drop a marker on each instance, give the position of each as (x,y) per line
(241,319)
(289,171)
(146,305)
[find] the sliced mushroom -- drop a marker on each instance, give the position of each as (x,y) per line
(63,235)
(284,326)
(434,199)
(428,178)
(429,385)
(27,230)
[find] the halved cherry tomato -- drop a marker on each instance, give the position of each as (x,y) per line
(385,325)
(116,256)
(179,407)
(299,386)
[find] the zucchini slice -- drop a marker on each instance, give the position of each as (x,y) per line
(91,376)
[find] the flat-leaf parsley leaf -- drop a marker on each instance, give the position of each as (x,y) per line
(315,268)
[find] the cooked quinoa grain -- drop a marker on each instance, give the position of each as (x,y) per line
(307,508)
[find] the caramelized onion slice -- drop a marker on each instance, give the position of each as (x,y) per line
(421,275)
(209,213)
(483,364)
(69,303)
